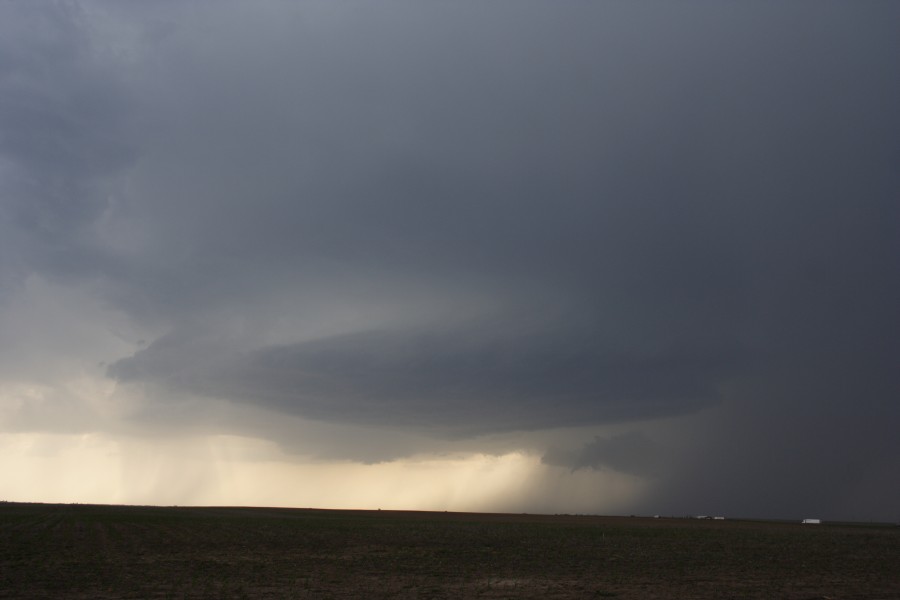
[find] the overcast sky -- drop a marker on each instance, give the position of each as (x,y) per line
(614,257)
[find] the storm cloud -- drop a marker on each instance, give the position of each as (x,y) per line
(453,381)
(631,452)
(458,220)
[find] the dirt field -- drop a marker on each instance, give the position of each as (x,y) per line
(79,551)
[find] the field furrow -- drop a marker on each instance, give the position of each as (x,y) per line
(115,552)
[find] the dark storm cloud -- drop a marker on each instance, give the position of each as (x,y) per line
(462,218)
(63,120)
(632,453)
(649,214)
(458,380)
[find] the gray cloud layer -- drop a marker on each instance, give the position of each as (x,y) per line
(466,219)
(631,452)
(461,380)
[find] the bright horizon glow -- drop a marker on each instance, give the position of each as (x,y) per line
(238,471)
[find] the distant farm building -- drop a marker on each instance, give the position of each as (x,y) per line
(812,521)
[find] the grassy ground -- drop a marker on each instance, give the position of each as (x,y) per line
(79,551)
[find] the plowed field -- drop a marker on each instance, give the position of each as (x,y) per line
(81,551)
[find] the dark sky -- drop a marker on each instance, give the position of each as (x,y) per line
(653,239)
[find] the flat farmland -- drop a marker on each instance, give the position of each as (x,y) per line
(87,551)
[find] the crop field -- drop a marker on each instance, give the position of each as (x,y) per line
(85,551)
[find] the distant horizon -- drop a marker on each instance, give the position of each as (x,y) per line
(696,516)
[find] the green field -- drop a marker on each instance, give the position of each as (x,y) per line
(84,551)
